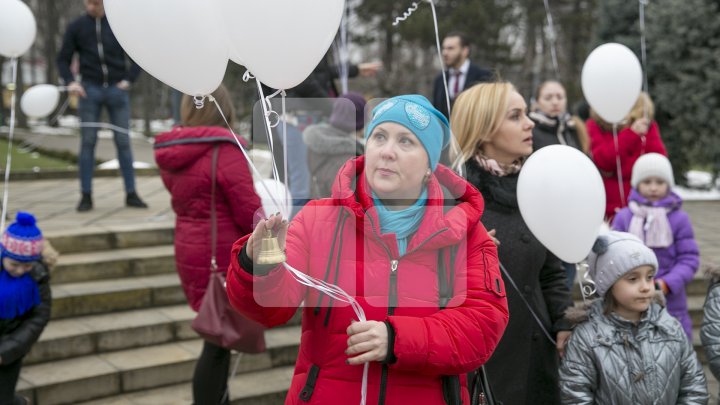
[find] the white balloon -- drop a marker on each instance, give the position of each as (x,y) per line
(611,81)
(562,200)
(281,41)
(279,193)
(17,28)
(180,42)
(40,100)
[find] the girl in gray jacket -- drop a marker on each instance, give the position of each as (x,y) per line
(710,329)
(629,350)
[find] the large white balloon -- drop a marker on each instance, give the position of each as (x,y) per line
(180,42)
(17,28)
(281,41)
(562,200)
(611,81)
(40,100)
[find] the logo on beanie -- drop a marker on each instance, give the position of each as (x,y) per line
(20,247)
(418,115)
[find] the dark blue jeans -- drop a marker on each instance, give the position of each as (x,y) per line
(117,104)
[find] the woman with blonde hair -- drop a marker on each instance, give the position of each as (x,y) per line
(639,134)
(495,136)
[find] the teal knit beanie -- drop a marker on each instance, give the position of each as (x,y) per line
(415,113)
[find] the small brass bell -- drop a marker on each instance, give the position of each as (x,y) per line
(270,252)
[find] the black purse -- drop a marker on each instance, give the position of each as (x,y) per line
(478,384)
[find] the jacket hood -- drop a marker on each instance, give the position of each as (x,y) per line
(445,190)
(672,201)
(180,147)
(326,139)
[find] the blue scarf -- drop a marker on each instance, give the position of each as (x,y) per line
(18,295)
(402,223)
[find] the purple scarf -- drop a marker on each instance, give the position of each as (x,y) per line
(651,225)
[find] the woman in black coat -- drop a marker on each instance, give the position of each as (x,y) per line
(495,135)
(553,124)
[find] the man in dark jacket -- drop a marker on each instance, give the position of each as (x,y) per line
(460,73)
(106,74)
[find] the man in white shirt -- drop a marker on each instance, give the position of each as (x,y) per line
(460,73)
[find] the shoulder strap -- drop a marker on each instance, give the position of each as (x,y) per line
(213,214)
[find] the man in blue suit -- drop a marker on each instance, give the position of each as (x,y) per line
(460,73)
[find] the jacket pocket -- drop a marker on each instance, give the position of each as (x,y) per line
(307,391)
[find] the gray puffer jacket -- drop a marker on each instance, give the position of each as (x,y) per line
(710,330)
(609,360)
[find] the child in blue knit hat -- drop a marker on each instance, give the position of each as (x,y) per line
(24,299)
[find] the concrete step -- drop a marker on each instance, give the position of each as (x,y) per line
(80,336)
(117,263)
(265,387)
(98,376)
(94,238)
(98,297)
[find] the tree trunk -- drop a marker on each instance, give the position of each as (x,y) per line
(51,16)
(20,119)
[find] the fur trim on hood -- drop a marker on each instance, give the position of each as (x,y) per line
(580,312)
(712,271)
(326,139)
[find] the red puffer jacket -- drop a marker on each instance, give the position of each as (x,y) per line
(631,147)
(338,240)
(184,156)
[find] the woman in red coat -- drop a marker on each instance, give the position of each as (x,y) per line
(640,136)
(402,235)
(184,156)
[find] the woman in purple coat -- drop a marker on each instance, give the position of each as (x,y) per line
(654,214)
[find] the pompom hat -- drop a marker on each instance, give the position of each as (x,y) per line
(415,113)
(615,254)
(22,240)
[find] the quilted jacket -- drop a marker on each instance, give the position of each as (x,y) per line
(184,156)
(609,360)
(407,292)
(710,329)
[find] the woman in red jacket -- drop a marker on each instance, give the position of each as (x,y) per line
(185,156)
(639,136)
(402,235)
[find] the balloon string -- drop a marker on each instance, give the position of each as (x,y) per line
(266,107)
(551,39)
(643,55)
(285,152)
(254,169)
(338,294)
(406,14)
(618,166)
(8,160)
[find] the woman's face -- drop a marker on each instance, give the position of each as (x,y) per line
(514,138)
(396,162)
(552,100)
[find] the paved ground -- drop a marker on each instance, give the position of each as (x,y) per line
(53,202)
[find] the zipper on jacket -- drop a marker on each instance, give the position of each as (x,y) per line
(101,51)
(307,391)
(392,304)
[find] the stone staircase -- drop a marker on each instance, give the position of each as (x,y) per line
(120,329)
